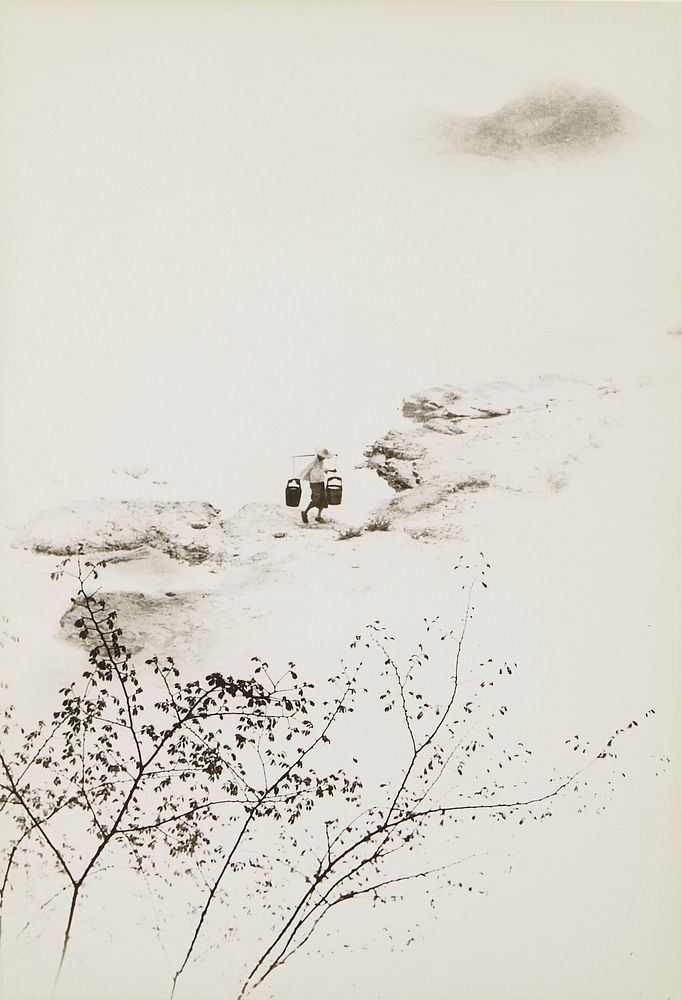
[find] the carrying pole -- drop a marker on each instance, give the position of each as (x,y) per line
(332,454)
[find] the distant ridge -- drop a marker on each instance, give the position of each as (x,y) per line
(550,119)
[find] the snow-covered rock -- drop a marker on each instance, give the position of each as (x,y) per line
(126,529)
(499,438)
(146,617)
(441,409)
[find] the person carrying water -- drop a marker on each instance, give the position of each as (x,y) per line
(316,475)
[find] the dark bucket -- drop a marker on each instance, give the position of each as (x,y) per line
(293,493)
(334,490)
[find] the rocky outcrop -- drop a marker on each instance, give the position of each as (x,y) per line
(148,619)
(415,458)
(396,457)
(442,409)
(489,440)
(176,608)
(127,529)
(549,120)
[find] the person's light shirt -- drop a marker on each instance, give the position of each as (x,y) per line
(315,472)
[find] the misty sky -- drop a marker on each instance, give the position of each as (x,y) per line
(228,232)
